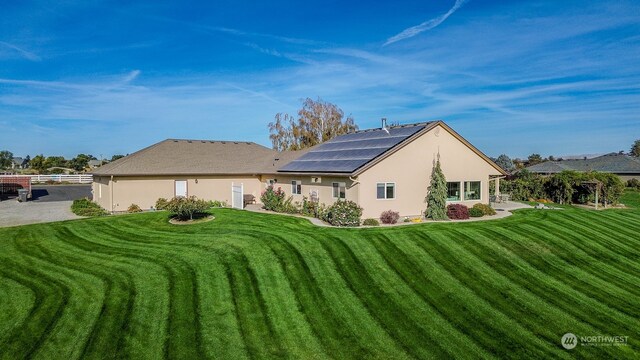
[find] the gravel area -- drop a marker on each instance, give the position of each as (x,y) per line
(13,213)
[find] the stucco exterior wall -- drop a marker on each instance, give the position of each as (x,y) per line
(324,188)
(144,191)
(410,169)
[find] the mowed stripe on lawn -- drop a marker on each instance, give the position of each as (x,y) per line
(250,285)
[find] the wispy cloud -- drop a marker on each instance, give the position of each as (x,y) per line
(427,25)
(24,53)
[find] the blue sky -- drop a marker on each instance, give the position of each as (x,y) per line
(515,77)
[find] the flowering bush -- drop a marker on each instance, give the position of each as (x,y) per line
(457,212)
(272,199)
(389,217)
(343,213)
(161,203)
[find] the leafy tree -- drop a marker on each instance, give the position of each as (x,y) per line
(437,195)
(55,161)
(534,159)
(81,161)
(38,163)
(6,157)
(635,149)
(27,160)
(318,121)
(505,163)
(116,157)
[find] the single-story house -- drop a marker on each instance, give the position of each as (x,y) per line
(381,169)
(625,166)
(19,163)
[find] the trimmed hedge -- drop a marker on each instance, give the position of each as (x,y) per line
(486,209)
(370,222)
(475,212)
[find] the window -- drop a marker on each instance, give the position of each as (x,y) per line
(339,190)
(453,191)
(296,187)
(472,190)
(386,190)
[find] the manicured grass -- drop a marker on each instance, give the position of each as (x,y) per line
(250,285)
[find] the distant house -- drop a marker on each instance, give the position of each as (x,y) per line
(380,169)
(625,166)
(19,163)
(92,164)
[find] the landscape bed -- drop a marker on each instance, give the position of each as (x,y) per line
(251,285)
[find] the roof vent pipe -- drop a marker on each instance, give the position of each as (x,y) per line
(384,123)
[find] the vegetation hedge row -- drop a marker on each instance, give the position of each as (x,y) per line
(86,207)
(565,187)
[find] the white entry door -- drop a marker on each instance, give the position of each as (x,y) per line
(181,188)
(237,196)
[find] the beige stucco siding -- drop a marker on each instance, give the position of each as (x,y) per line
(146,190)
(324,188)
(410,169)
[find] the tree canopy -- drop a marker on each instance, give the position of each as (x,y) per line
(635,149)
(505,163)
(6,157)
(317,122)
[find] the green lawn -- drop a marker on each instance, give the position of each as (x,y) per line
(250,285)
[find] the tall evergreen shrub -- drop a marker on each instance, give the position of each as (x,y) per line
(437,195)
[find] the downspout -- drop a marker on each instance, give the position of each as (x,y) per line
(111,187)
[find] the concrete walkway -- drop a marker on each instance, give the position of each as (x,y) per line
(502,210)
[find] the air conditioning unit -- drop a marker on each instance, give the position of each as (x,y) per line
(316,180)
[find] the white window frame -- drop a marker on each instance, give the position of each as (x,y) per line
(464,190)
(386,185)
(339,185)
(296,187)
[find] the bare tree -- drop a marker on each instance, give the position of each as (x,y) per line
(318,121)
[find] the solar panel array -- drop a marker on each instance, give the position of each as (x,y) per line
(349,152)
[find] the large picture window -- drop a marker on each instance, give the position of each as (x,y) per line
(453,191)
(296,187)
(339,190)
(386,190)
(472,190)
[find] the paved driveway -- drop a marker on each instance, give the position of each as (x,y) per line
(49,193)
(49,203)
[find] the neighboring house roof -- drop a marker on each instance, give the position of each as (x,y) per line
(354,153)
(18,160)
(613,163)
(94,163)
(195,157)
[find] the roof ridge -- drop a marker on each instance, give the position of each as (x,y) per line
(399,126)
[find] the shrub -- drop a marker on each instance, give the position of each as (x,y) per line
(437,194)
(475,212)
(133,208)
(272,199)
(161,204)
(406,219)
(343,213)
(633,183)
(217,204)
(370,222)
(389,217)
(186,208)
(86,207)
(457,212)
(486,209)
(309,207)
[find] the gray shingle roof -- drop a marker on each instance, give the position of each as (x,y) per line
(613,163)
(347,153)
(195,157)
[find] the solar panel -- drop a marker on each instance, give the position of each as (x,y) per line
(349,152)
